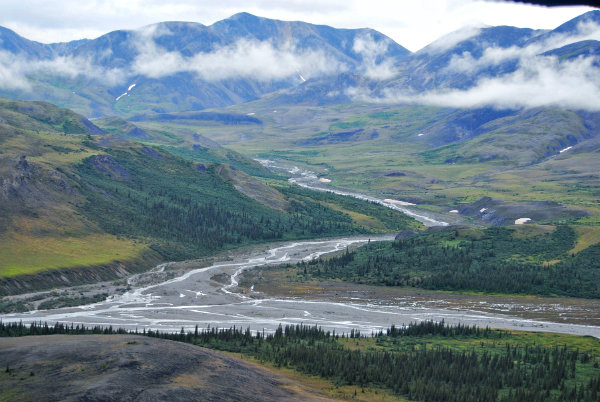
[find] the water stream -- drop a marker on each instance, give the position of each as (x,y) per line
(209,296)
(309,179)
(195,297)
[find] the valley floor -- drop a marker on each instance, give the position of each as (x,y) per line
(285,283)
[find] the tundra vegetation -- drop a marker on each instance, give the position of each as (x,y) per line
(503,260)
(425,361)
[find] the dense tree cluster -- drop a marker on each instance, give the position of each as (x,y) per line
(492,260)
(517,373)
(439,329)
(184,213)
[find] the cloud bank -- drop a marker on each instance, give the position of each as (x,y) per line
(452,39)
(492,56)
(374,63)
(16,70)
(250,59)
(538,81)
(261,61)
(546,82)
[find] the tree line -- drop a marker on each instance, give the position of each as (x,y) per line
(493,260)
(436,374)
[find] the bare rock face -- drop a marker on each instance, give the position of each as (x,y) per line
(108,165)
(405,234)
(133,368)
(15,174)
(27,183)
(22,163)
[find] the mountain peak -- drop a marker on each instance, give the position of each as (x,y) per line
(243,16)
(572,25)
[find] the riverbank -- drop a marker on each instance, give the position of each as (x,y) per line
(206,295)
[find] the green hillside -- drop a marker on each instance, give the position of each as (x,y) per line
(73,196)
(530,260)
(439,158)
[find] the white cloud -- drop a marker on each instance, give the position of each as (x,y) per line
(453,38)
(10,77)
(262,61)
(585,30)
(537,81)
(374,63)
(15,70)
(544,81)
(466,63)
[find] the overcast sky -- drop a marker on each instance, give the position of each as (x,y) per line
(412,24)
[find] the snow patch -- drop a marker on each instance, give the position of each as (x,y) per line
(564,150)
(482,210)
(521,221)
(454,211)
(398,202)
(126,93)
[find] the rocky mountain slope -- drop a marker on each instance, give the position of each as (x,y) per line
(134,368)
(177,66)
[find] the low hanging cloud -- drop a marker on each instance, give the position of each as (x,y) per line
(450,40)
(545,82)
(375,64)
(252,59)
(11,75)
(16,70)
(249,59)
(537,80)
(245,58)
(492,56)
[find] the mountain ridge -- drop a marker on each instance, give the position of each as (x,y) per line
(195,79)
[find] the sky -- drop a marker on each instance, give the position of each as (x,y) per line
(413,24)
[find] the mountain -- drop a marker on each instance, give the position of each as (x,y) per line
(463,58)
(183,66)
(459,61)
(579,27)
(11,42)
(179,66)
(79,203)
(442,63)
(585,48)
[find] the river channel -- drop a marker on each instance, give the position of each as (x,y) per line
(206,296)
(186,294)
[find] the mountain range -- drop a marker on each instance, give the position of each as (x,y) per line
(182,66)
(151,131)
(176,66)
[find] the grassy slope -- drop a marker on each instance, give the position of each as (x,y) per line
(516,159)
(78,200)
(184,142)
(23,254)
(41,227)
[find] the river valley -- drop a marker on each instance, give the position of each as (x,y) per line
(185,294)
(208,296)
